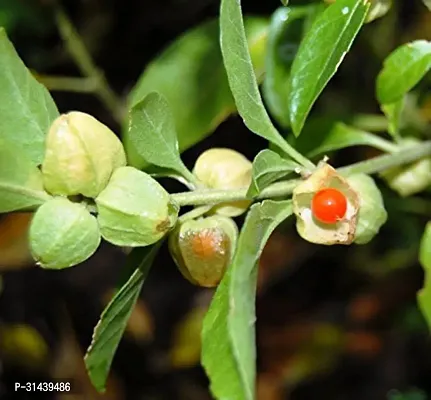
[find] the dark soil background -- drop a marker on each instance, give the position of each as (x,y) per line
(338,323)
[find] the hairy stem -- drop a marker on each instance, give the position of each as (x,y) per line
(285,188)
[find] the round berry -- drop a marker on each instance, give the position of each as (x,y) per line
(329,205)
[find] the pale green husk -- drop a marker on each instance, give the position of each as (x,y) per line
(81,155)
(134,209)
(199,270)
(372,213)
(222,168)
(63,234)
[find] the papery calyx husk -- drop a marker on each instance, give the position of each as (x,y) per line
(203,248)
(226,169)
(409,179)
(63,234)
(134,209)
(372,213)
(310,229)
(81,155)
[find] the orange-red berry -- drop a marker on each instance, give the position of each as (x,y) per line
(329,205)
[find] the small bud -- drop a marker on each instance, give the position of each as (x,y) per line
(81,154)
(134,209)
(63,234)
(225,169)
(411,179)
(203,249)
(372,213)
(326,207)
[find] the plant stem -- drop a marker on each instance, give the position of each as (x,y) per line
(68,84)
(195,213)
(378,164)
(371,122)
(296,156)
(285,188)
(86,65)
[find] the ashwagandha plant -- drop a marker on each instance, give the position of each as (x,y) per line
(84,184)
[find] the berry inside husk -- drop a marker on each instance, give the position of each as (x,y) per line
(329,205)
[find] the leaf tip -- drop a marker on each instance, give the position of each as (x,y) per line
(98,381)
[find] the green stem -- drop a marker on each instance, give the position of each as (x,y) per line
(86,65)
(285,188)
(195,213)
(191,178)
(379,164)
(68,84)
(371,122)
(296,156)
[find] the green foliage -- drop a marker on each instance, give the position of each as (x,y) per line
(393,112)
(269,167)
(402,70)
(21,184)
(228,332)
(285,34)
(424,295)
(322,135)
(153,135)
(320,54)
(207,74)
(26,108)
(113,321)
(242,79)
(190,74)
(412,394)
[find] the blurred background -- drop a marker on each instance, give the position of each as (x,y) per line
(333,323)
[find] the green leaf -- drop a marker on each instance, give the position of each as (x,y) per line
(241,76)
(191,75)
(228,336)
(285,34)
(402,70)
(393,112)
(21,185)
(268,167)
(424,295)
(320,54)
(113,321)
(26,107)
(153,135)
(322,135)
(427,4)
